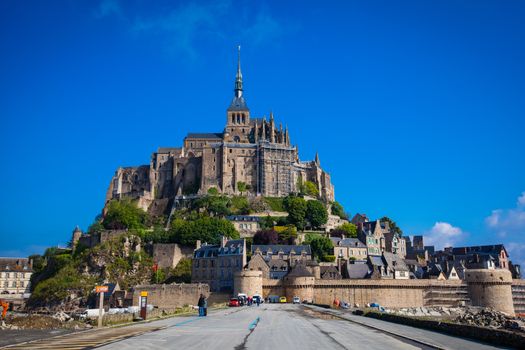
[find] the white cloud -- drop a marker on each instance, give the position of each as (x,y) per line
(443,234)
(509,224)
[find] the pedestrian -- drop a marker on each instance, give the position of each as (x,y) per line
(205,307)
(201,305)
(258,301)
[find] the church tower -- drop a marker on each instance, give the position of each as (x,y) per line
(238,114)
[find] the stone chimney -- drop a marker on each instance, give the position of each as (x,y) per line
(198,244)
(224,239)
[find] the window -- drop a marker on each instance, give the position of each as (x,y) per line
(22,284)
(14,284)
(6,284)
(230,150)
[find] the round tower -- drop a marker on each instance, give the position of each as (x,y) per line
(300,283)
(491,288)
(248,282)
(77,233)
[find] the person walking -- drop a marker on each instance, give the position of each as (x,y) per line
(205,307)
(258,301)
(200,304)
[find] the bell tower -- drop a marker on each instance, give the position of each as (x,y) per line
(238,114)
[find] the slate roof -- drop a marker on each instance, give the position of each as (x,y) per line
(300,270)
(488,249)
(238,104)
(235,247)
(357,271)
(247,218)
(376,260)
(210,135)
(277,264)
(232,247)
(347,242)
(286,249)
(395,262)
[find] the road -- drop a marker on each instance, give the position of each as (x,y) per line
(271,326)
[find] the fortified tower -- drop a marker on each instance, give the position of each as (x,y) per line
(491,288)
(248,282)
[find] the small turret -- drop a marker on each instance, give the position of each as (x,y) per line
(263,133)
(317,159)
(272,128)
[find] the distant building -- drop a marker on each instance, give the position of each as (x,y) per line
(330,273)
(217,264)
(15,275)
(372,234)
(246,225)
(291,253)
(349,248)
(276,261)
(359,219)
(395,244)
(496,251)
(396,265)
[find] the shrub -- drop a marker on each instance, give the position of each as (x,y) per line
(275,203)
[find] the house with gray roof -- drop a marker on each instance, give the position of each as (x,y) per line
(216,264)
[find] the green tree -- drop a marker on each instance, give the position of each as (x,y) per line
(337,209)
(296,208)
(287,234)
(348,229)
(124,214)
(393,226)
(311,189)
(206,229)
(181,273)
(321,247)
(316,214)
(241,186)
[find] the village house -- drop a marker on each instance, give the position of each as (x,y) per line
(15,276)
(246,225)
(349,248)
(217,264)
(372,234)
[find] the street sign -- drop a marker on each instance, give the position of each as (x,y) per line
(101,289)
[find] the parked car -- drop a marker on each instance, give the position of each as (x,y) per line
(260,298)
(273,299)
(296,300)
(282,299)
(234,302)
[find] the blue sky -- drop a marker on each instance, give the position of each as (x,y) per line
(417,108)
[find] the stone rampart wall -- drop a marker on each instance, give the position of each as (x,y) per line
(169,296)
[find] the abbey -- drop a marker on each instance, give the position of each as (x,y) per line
(252,151)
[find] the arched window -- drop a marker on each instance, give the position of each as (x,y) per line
(233,118)
(238,118)
(243,118)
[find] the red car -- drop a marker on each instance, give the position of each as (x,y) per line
(234,302)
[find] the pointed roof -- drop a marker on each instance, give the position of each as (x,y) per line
(238,102)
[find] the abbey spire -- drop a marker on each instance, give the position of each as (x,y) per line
(238,102)
(238,76)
